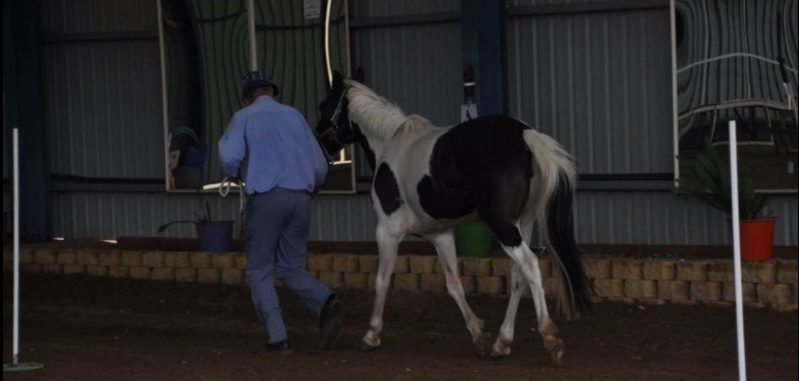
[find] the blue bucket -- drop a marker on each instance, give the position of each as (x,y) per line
(215,236)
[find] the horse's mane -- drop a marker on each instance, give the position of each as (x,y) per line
(379,117)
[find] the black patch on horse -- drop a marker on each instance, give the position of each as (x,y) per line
(387,190)
(443,202)
(481,164)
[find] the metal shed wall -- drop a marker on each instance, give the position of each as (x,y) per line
(102,86)
(600,83)
(632,217)
(419,67)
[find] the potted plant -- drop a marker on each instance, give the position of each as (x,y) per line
(214,236)
(709,180)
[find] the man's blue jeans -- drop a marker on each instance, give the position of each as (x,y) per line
(277,229)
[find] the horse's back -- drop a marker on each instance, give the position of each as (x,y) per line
(480,150)
(470,161)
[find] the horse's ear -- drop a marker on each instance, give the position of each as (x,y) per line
(359,75)
(337,79)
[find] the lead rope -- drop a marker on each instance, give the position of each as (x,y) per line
(224,190)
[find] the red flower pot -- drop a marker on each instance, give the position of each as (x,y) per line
(757,239)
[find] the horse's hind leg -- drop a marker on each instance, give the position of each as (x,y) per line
(445,247)
(387,245)
(501,347)
(511,240)
(504,340)
(532,273)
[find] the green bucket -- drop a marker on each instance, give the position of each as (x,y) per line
(473,240)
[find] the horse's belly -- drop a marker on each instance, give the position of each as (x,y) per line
(422,225)
(441,203)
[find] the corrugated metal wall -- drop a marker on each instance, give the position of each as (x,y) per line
(420,73)
(104,103)
(665,219)
(419,67)
(111,215)
(600,83)
(365,9)
(103,97)
(602,217)
(97,16)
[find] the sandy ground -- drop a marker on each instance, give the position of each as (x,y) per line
(86,328)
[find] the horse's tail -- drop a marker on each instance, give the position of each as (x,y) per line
(555,192)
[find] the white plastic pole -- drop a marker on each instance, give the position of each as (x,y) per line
(15,174)
(736,242)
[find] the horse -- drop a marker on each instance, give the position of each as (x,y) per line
(428,180)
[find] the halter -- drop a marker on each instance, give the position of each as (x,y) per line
(335,128)
(337,112)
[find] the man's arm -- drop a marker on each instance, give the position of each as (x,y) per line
(232,147)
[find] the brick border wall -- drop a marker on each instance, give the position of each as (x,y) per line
(645,281)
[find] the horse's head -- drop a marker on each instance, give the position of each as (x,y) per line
(335,129)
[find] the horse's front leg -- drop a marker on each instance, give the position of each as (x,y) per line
(387,245)
(445,247)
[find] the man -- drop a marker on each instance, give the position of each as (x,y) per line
(270,146)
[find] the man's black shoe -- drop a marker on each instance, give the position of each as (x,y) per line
(329,322)
(281,347)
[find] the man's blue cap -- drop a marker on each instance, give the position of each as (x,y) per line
(254,80)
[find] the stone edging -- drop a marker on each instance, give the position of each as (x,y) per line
(645,281)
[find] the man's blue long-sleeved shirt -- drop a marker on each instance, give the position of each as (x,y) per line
(269,145)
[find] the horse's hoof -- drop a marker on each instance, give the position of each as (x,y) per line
(495,354)
(556,350)
(366,347)
(500,349)
(482,345)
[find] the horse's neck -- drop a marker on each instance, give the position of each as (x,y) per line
(367,150)
(381,123)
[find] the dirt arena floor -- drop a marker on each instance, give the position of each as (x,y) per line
(85,328)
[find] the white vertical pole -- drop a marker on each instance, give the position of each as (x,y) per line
(736,241)
(251,35)
(15,193)
(164,97)
(326,25)
(675,138)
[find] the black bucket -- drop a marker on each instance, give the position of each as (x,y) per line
(215,236)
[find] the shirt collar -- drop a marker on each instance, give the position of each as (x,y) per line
(263,98)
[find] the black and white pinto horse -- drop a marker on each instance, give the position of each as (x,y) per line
(430,179)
